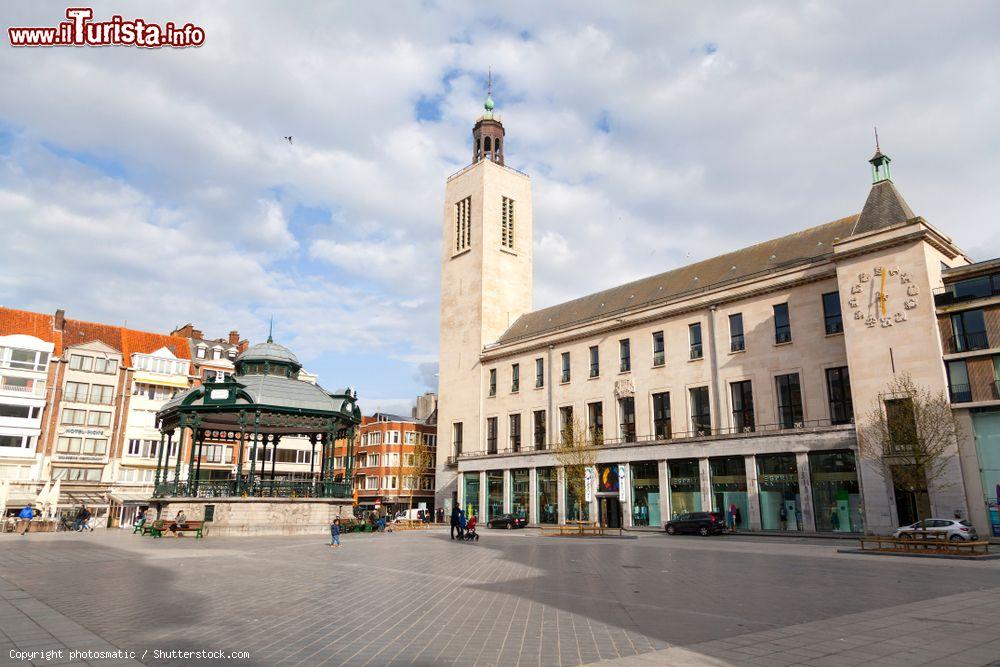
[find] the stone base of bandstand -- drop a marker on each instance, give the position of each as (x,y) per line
(258,516)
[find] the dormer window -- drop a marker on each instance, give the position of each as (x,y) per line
(200,353)
(217,353)
(232,353)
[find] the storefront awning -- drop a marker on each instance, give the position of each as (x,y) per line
(130,498)
(70,498)
(164,380)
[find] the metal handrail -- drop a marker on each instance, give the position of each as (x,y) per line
(967,342)
(960,393)
(680,437)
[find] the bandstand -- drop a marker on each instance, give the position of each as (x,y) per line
(252,411)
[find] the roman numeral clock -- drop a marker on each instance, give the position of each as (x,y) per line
(890,294)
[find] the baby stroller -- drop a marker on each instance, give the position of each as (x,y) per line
(470,531)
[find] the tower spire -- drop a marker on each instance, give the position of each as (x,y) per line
(880,163)
(270,331)
(488,104)
(488,133)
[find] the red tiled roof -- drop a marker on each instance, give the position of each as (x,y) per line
(27,323)
(78,332)
(144,342)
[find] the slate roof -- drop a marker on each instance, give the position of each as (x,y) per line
(788,250)
(883,208)
(269,352)
(275,391)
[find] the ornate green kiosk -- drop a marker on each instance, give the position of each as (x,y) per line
(251,411)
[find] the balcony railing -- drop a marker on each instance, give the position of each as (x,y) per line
(960,393)
(968,342)
(680,437)
(37,390)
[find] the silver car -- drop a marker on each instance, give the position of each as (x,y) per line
(956,530)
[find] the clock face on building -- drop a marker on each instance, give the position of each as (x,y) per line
(883,297)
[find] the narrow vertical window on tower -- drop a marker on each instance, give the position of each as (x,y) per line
(463,224)
(507,223)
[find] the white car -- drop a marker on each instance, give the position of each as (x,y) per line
(956,530)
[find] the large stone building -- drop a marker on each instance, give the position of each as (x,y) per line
(736,380)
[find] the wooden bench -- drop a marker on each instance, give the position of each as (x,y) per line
(148,527)
(570,530)
(196,527)
(923,545)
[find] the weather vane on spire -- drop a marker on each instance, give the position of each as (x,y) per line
(488,104)
(877,150)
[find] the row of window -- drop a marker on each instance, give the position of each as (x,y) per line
(463,223)
(73,417)
(88,364)
(154,391)
(789,413)
(17,441)
(201,352)
(160,365)
(374,460)
(149,448)
(25,360)
(392,438)
(20,411)
(140,475)
(81,392)
(782,334)
(77,474)
(72,445)
(391,483)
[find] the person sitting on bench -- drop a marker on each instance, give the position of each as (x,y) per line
(180,522)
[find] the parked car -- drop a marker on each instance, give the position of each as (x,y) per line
(702,523)
(955,530)
(507,521)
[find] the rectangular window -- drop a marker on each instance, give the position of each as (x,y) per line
(902,424)
(539,373)
(958,382)
(19,441)
(742,392)
(515,378)
(736,341)
(831,313)
(456,438)
(491,435)
(463,224)
(661,416)
(95,445)
(625,354)
(515,433)
(659,355)
(76,392)
(789,400)
(701,411)
(595,362)
(539,429)
(782,326)
(107,366)
(694,337)
(566,423)
(565,367)
(21,412)
(507,223)
(28,360)
(102,394)
(969,329)
(69,445)
(595,422)
(838,385)
(134,447)
(79,362)
(75,417)
(626,415)
(493,382)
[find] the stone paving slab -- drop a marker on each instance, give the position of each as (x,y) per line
(511,599)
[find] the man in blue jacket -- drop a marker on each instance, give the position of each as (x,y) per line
(26,515)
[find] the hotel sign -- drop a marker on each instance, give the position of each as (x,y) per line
(84,431)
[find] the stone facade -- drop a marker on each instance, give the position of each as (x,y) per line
(797,339)
(259,516)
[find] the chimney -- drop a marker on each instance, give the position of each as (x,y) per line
(60,320)
(184,331)
(234,337)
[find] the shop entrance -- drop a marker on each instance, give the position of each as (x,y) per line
(609,509)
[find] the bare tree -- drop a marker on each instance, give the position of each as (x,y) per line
(909,435)
(576,452)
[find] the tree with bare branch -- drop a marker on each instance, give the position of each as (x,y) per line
(576,452)
(910,435)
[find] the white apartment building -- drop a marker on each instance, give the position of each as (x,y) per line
(24,366)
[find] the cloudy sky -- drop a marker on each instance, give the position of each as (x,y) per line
(154,186)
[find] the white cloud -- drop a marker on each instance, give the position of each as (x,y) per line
(156,187)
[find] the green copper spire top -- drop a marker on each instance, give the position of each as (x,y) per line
(488,104)
(880,163)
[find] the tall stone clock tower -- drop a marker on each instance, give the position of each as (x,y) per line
(485,286)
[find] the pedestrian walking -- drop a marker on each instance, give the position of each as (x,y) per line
(461,524)
(732,516)
(335,533)
(783,517)
(454,521)
(26,515)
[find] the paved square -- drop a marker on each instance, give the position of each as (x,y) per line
(515,598)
